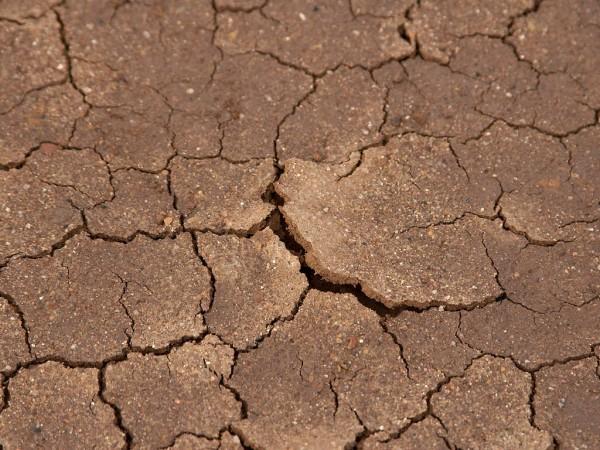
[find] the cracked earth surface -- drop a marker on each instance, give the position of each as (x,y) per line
(300,224)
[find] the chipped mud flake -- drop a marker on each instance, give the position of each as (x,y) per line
(41,200)
(533,170)
(532,339)
(92,298)
(217,195)
(430,344)
(51,404)
(567,403)
(557,106)
(432,100)
(317,379)
(507,78)
(343,115)
(257,282)
(439,24)
(141,203)
(179,392)
(44,116)
(563,36)
(127,138)
(546,278)
(488,408)
(427,433)
(196,135)
(554,103)
(166,284)
(383,226)
(153,44)
(81,174)
(240,115)
(32,57)
(68,312)
(34,215)
(314,37)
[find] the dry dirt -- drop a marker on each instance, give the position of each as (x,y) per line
(300,224)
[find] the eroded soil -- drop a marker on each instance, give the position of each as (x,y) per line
(300,224)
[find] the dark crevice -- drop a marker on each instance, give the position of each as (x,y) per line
(219,156)
(239,232)
(289,64)
(109,173)
(133,236)
(531,401)
(360,436)
(533,126)
(20,164)
(11,21)
(5,393)
(361,155)
(244,441)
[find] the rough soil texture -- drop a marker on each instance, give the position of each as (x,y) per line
(300,224)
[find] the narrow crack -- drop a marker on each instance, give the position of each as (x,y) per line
(67,55)
(386,330)
(20,164)
(361,435)
(428,412)
(189,433)
(119,422)
(493,264)
(129,334)
(273,324)
(23,323)
(232,429)
(336,400)
(213,280)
